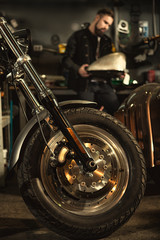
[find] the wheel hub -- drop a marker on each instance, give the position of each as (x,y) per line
(75,179)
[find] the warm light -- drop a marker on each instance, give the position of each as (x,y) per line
(68,176)
(99,173)
(87,145)
(73,162)
(62,154)
(114,188)
(76,140)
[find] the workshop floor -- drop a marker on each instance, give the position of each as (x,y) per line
(17,223)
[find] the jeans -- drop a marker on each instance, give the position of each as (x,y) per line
(103,94)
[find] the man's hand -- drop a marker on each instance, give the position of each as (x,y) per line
(82,71)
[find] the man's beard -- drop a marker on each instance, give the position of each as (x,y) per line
(98,32)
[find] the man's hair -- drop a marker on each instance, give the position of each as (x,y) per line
(106,11)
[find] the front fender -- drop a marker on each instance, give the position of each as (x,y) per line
(31,123)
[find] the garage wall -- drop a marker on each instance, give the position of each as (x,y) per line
(46,19)
(62,17)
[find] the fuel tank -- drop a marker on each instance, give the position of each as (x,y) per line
(140,113)
(112,64)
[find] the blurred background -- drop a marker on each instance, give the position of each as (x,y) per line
(51,22)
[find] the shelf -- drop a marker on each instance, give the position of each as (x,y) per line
(5,121)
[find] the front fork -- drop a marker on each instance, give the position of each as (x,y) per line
(68,131)
(47,98)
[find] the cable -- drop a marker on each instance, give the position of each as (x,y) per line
(25,115)
(43,134)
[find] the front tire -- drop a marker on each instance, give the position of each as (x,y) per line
(78,204)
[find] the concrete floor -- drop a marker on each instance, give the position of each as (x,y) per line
(17,223)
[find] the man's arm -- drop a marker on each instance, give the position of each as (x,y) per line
(67,60)
(69,56)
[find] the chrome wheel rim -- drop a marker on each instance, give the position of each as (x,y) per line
(87,193)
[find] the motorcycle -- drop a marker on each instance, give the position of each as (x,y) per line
(139,112)
(80,171)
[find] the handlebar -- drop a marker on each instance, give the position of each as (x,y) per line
(149,39)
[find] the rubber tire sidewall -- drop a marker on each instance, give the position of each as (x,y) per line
(51,214)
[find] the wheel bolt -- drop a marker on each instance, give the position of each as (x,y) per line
(92,150)
(70,166)
(93,184)
(90,174)
(101,156)
(105,167)
(83,184)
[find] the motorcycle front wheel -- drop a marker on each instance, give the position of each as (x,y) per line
(75,203)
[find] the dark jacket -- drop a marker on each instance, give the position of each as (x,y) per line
(81,49)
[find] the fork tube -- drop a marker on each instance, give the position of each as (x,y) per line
(22,59)
(48,98)
(29,96)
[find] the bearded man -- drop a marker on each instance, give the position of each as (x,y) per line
(84,47)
